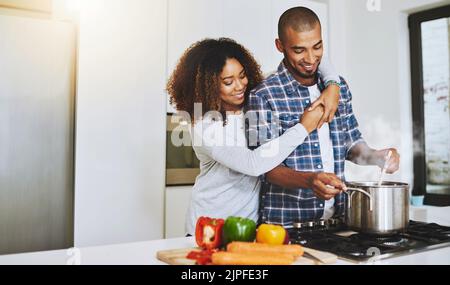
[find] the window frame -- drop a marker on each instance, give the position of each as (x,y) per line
(417,91)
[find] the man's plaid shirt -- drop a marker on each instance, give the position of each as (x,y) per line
(278,104)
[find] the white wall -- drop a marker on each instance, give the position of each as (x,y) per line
(337,32)
(33,5)
(371,50)
(120,155)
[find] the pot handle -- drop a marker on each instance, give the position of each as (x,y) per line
(361,191)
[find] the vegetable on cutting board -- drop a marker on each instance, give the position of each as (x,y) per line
(202,257)
(271,234)
(251,247)
(238,235)
(208,232)
(237,258)
(238,229)
(251,253)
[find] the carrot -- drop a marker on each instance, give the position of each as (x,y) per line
(236,258)
(269,249)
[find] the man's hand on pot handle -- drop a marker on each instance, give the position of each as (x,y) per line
(326,185)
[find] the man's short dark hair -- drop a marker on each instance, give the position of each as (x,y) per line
(300,19)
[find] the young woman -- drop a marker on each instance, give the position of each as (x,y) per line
(217,75)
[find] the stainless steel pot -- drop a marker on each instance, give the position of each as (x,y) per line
(379,210)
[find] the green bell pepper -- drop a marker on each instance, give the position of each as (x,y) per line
(238,229)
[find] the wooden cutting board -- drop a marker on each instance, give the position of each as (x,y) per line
(178,257)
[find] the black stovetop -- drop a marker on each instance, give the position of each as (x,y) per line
(357,247)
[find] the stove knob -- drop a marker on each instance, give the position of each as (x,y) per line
(298,225)
(322,223)
(310,224)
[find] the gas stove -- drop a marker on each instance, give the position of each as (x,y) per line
(333,236)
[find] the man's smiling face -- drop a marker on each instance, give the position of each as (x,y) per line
(303,52)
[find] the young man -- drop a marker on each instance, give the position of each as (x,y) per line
(308,185)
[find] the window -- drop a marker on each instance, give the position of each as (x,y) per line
(430,77)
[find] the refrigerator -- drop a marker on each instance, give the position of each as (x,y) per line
(37,124)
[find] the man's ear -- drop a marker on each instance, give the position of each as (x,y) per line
(279,45)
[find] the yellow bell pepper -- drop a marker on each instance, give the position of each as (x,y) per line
(271,234)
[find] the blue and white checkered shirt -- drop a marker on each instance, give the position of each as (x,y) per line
(278,103)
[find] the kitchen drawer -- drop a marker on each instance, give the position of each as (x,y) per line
(177,202)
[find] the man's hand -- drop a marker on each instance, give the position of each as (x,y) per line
(362,154)
(329,100)
(393,162)
(326,185)
(317,181)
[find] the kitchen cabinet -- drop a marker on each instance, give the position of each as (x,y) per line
(177,203)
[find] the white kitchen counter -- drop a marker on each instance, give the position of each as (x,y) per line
(144,253)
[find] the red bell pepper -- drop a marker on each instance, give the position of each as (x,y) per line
(208,232)
(203,257)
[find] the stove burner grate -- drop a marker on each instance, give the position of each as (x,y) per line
(392,240)
(361,247)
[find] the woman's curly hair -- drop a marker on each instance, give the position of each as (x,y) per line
(196,78)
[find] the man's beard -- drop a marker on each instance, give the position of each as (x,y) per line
(311,75)
(306,75)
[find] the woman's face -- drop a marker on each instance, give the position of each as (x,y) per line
(233,83)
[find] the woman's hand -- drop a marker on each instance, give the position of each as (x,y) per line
(310,119)
(329,100)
